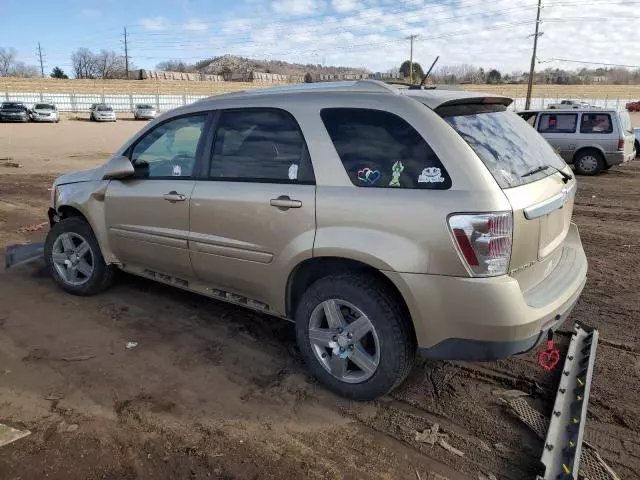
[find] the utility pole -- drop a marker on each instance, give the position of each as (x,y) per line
(411,38)
(41,64)
(533,57)
(126,53)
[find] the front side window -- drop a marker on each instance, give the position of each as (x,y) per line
(260,145)
(170,149)
(596,123)
(558,123)
(380,149)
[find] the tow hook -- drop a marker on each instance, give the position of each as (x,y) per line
(549,357)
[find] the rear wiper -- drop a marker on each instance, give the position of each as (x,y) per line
(565,176)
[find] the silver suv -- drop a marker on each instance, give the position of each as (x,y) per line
(591,140)
(380,220)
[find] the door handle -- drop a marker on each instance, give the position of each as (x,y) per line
(173,197)
(283,202)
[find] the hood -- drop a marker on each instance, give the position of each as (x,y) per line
(90,175)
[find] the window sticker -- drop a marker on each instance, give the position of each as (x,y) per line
(369,176)
(293,171)
(397,169)
(177,171)
(431,175)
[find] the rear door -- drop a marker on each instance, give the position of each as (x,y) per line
(253,212)
(559,129)
(147,216)
(526,168)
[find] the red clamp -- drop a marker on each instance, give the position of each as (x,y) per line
(550,356)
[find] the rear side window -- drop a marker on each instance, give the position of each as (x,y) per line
(507,146)
(558,123)
(596,123)
(260,145)
(380,149)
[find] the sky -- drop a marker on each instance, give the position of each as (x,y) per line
(358,33)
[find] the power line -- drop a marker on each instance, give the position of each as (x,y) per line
(588,63)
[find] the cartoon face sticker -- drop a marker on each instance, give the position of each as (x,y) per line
(397,169)
(293,171)
(431,175)
(368,176)
(177,171)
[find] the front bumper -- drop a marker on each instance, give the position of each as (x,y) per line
(145,116)
(50,119)
(12,118)
(481,319)
(104,119)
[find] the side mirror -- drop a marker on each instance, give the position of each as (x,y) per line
(118,167)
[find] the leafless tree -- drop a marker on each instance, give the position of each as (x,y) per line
(84,63)
(7,60)
(110,65)
(20,69)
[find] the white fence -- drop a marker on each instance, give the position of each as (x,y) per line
(80,102)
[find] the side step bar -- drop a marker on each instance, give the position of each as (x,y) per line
(563,445)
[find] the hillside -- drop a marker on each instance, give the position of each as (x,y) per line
(235,64)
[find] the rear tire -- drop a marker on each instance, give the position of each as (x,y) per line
(589,162)
(380,352)
(71,245)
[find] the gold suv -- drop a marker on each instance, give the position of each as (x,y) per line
(381,219)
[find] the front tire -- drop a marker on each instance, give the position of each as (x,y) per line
(74,258)
(589,162)
(354,336)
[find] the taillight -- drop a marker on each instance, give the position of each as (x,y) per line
(621,144)
(484,241)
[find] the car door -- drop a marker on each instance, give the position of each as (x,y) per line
(253,215)
(559,129)
(596,128)
(147,215)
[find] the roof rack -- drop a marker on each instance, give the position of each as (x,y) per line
(357,85)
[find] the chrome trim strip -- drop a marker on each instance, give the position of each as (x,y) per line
(550,204)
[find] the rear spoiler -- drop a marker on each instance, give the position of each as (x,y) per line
(481,99)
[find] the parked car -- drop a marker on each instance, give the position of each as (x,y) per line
(45,112)
(379,220)
(567,104)
(144,111)
(101,112)
(633,106)
(636,131)
(591,140)
(14,112)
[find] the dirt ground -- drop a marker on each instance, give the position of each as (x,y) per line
(214,391)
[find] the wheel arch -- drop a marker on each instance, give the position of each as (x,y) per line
(594,148)
(313,269)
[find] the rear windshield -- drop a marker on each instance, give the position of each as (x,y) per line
(505,143)
(625,121)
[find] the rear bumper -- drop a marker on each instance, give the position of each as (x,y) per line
(619,158)
(482,319)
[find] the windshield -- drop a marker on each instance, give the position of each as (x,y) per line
(104,108)
(625,121)
(12,105)
(44,106)
(145,107)
(505,143)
